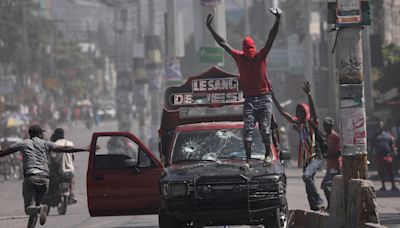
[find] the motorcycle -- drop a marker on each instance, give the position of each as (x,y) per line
(58,194)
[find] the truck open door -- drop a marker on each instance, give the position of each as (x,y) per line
(122,177)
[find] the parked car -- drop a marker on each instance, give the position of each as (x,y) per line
(107,112)
(199,180)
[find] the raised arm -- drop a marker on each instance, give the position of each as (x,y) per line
(221,41)
(281,110)
(272,34)
(307,90)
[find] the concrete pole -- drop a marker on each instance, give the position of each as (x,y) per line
(333,79)
(122,61)
(152,14)
(308,51)
(201,33)
(246,18)
(171,24)
(352,108)
(369,100)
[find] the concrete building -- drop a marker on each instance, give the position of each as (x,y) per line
(386,20)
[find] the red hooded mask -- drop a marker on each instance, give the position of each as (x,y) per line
(249,47)
(306,109)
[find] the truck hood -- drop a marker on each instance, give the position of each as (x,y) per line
(192,171)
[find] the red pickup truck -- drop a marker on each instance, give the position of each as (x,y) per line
(199,180)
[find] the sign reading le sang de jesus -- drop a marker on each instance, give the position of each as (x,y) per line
(212,88)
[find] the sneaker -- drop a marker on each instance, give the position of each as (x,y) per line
(43,214)
(245,167)
(316,208)
(394,189)
(382,189)
(72,199)
(268,160)
(32,221)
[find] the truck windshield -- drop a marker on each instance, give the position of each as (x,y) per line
(215,145)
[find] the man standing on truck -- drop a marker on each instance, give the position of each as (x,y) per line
(310,155)
(254,83)
(35,152)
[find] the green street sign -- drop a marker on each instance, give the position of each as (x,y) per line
(211,55)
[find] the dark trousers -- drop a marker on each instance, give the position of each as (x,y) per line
(33,190)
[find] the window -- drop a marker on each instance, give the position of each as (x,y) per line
(145,160)
(115,151)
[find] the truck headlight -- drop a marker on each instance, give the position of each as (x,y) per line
(174,189)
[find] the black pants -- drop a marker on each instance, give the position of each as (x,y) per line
(33,190)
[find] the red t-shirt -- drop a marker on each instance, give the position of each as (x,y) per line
(253,73)
(333,142)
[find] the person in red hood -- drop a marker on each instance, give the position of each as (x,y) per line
(310,155)
(254,83)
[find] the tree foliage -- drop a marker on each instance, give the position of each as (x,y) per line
(32,44)
(390,71)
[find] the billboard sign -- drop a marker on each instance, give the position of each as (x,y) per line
(348,13)
(214,88)
(211,55)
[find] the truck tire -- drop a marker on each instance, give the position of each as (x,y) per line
(279,218)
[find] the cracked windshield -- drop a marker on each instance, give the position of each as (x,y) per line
(213,145)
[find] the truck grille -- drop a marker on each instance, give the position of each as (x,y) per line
(208,194)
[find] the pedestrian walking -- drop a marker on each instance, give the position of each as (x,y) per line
(309,154)
(333,157)
(35,152)
(383,148)
(254,84)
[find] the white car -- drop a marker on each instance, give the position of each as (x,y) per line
(107,112)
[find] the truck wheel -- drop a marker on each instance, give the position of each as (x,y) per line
(167,221)
(48,209)
(278,219)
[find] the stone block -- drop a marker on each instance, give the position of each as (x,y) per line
(337,206)
(361,205)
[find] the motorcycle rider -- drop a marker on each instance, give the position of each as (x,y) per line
(64,163)
(36,151)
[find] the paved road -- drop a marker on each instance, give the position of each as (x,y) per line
(11,203)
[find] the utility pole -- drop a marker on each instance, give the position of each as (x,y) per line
(122,60)
(201,10)
(351,98)
(352,107)
(369,101)
(153,64)
(25,44)
(246,18)
(308,51)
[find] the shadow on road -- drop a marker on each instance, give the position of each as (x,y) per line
(136,227)
(389,218)
(383,194)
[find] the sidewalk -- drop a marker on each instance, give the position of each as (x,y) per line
(388,202)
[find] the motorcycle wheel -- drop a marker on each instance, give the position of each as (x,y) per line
(48,209)
(62,206)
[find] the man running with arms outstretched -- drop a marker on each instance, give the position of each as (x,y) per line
(36,151)
(254,83)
